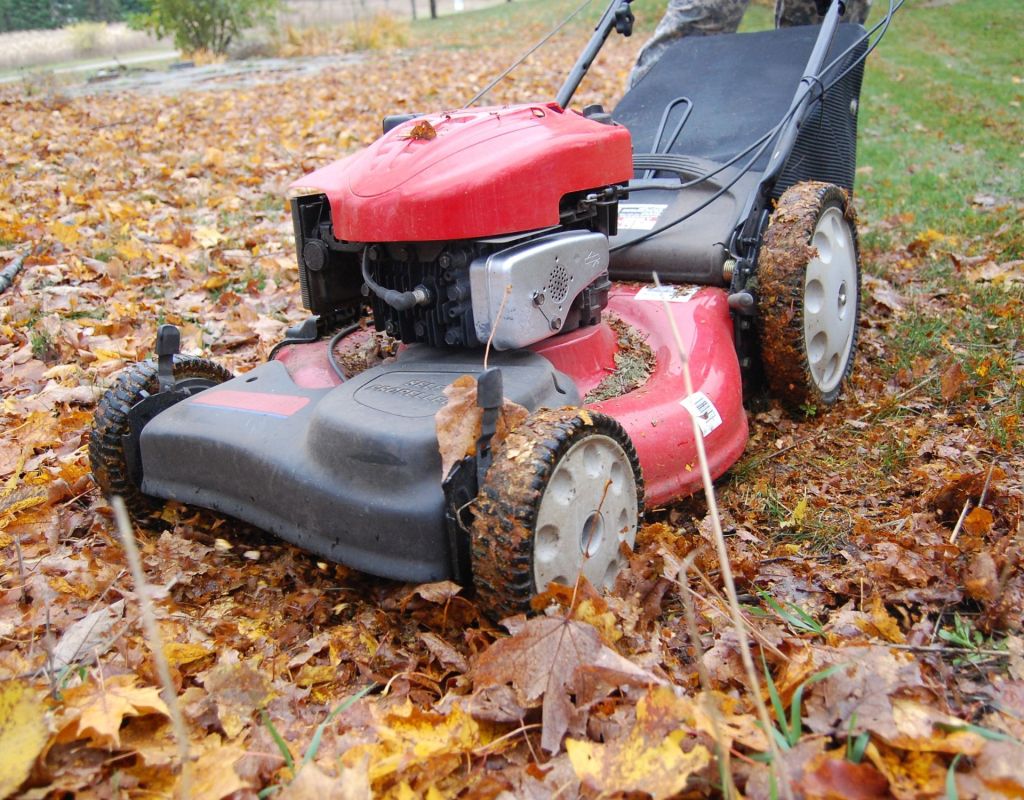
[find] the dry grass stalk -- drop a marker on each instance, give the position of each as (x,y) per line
(156,644)
(497,321)
(754,684)
(728,788)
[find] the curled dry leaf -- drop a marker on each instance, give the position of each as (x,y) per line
(459,422)
(422,131)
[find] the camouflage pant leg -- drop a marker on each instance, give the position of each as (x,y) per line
(803,12)
(687,18)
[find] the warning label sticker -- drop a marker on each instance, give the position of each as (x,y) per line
(703,410)
(639,216)
(668,294)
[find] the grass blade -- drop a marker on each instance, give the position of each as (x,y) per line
(314,744)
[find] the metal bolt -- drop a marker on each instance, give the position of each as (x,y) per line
(538,298)
(556,323)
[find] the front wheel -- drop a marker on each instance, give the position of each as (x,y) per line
(808,288)
(107,456)
(562,497)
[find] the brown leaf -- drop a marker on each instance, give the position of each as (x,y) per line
(829,776)
(541,660)
(313,784)
(423,131)
(979,521)
(981,581)
(459,421)
(953,379)
(999,767)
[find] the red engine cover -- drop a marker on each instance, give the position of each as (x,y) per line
(487,172)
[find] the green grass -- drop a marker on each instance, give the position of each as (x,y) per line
(941,119)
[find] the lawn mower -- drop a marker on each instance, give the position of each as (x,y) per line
(532,233)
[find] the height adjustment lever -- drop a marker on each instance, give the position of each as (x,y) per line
(490,396)
(168,345)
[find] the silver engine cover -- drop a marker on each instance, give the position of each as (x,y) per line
(542,278)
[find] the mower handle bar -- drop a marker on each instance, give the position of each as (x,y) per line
(617,16)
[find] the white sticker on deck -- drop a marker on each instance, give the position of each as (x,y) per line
(668,294)
(703,410)
(639,216)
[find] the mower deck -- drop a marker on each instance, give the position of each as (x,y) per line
(352,473)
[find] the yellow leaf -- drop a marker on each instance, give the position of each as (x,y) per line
(659,768)
(67,235)
(800,512)
(23,733)
(102,354)
(215,282)
(95,711)
(605,622)
(130,249)
(409,736)
(311,675)
(797,517)
(213,775)
(207,236)
(179,653)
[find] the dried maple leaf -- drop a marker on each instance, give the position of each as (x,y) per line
(95,711)
(422,131)
(542,659)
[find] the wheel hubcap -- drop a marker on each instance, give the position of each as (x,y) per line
(829,309)
(588,510)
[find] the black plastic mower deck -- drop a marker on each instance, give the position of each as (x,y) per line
(351,473)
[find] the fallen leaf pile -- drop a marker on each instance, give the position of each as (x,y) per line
(877,549)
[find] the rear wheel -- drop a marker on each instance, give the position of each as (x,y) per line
(107,455)
(562,496)
(808,288)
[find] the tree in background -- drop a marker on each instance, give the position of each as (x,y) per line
(204,24)
(27,15)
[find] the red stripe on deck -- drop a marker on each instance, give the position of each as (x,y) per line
(282,405)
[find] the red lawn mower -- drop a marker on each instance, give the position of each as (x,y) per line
(726,171)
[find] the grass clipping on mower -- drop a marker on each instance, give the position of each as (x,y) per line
(458,423)
(634,363)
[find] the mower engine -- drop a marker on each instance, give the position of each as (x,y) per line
(467,226)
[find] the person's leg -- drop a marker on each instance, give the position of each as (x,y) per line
(803,12)
(687,18)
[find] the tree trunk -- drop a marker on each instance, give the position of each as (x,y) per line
(433,9)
